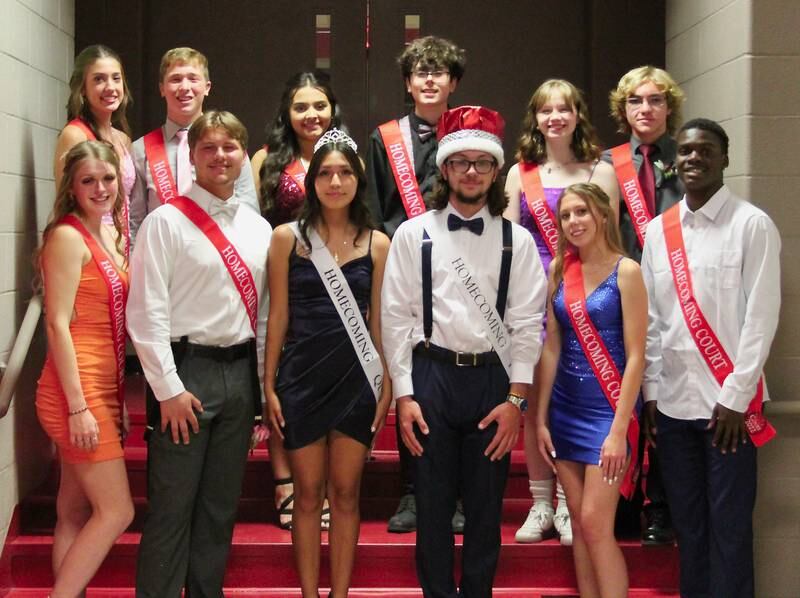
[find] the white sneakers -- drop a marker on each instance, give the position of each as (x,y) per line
(563,525)
(538,524)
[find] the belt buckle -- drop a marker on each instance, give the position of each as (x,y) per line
(461,364)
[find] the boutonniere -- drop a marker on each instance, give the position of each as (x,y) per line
(667,170)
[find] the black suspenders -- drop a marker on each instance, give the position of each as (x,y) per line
(427,283)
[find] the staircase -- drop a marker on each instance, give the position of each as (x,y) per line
(261,561)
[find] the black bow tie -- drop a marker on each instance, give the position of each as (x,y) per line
(475,225)
(425,131)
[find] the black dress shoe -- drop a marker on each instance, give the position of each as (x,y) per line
(657,530)
(458,519)
(404,519)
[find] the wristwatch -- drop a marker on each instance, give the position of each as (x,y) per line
(519,402)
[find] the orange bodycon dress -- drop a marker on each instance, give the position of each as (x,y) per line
(91,336)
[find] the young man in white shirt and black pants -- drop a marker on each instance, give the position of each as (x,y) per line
(197,317)
(711,266)
(460,358)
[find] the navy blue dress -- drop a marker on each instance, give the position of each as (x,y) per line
(580,415)
(320,382)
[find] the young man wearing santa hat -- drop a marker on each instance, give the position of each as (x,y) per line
(462,304)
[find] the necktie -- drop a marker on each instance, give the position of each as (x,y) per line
(425,131)
(184,173)
(647,178)
(475,225)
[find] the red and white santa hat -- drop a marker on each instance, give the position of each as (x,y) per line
(470,128)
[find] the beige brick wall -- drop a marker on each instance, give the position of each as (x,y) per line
(738,61)
(36,50)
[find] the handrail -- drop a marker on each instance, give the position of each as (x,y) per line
(19,352)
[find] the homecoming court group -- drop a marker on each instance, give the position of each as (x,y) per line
(620,303)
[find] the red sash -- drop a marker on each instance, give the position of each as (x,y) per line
(295,170)
(537,204)
(156,153)
(117,297)
(81,124)
(603,366)
(712,351)
(402,168)
(628,180)
(240,273)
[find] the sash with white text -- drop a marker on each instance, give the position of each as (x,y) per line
(598,356)
(237,268)
(711,349)
(628,180)
(537,204)
(346,306)
(295,170)
(117,297)
(466,278)
(156,153)
(402,168)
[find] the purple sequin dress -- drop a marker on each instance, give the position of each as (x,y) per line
(526,219)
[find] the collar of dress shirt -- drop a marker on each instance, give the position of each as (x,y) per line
(666,147)
(206,200)
(712,207)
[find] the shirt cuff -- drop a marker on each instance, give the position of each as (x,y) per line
(650,391)
(167,387)
(521,373)
(402,386)
(735,400)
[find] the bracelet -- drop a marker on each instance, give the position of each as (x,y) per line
(79,411)
(514,394)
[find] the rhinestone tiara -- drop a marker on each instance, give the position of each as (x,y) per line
(335,136)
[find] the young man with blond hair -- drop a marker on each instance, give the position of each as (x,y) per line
(161,157)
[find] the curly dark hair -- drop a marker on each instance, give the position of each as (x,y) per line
(78,107)
(585,144)
(705,124)
(439,196)
(359,213)
(281,139)
(432,53)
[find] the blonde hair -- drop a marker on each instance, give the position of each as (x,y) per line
(599,205)
(65,202)
(184,55)
(584,144)
(218,119)
(637,77)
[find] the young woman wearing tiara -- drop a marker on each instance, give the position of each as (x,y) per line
(325,381)
(558,147)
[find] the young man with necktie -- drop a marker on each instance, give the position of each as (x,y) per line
(161,158)
(646,105)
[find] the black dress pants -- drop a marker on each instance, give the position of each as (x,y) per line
(712,497)
(454,400)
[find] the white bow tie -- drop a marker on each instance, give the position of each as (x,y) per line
(227,208)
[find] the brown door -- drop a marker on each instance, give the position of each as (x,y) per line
(253,46)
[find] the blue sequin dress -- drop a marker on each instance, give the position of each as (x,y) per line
(580,415)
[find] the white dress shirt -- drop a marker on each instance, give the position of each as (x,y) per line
(733,250)
(181,287)
(455,326)
(144,197)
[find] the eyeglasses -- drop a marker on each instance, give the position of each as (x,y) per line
(482,166)
(655,101)
(435,75)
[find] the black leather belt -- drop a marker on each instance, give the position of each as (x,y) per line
(459,358)
(226,354)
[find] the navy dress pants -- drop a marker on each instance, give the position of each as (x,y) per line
(454,400)
(711,496)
